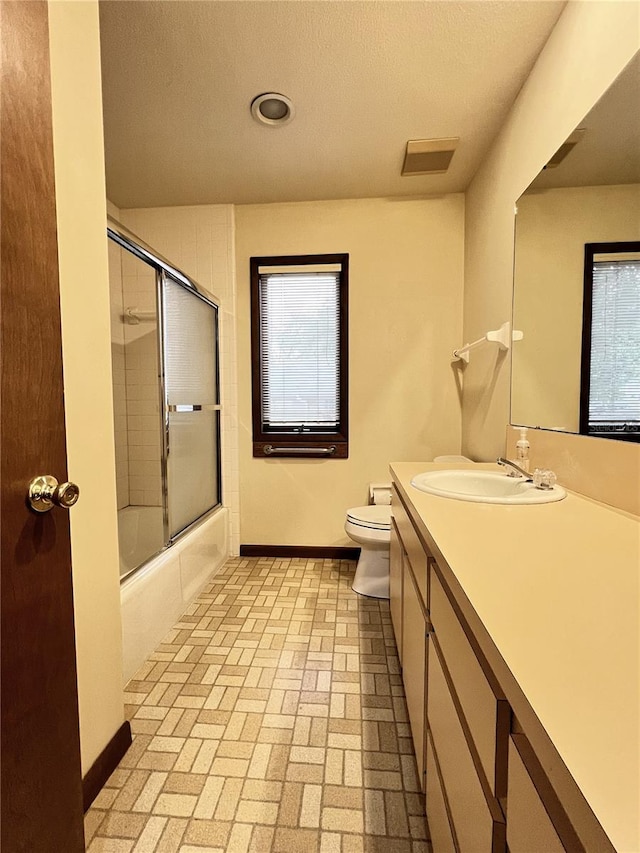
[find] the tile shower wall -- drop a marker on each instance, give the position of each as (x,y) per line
(200,241)
(141,374)
(119,376)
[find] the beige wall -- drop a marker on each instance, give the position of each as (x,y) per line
(84,296)
(552,229)
(590,45)
(405,311)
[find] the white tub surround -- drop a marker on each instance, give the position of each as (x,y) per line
(155,597)
(140,533)
(551,594)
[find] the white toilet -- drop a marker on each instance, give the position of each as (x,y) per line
(370,527)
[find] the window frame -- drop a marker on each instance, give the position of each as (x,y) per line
(590,251)
(333,444)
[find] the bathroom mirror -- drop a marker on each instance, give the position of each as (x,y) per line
(577,277)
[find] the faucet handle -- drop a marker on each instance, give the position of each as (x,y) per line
(544,479)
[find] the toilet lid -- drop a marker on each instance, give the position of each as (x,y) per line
(376,517)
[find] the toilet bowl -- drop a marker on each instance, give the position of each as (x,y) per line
(370,527)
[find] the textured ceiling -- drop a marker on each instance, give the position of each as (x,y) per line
(179,76)
(609,152)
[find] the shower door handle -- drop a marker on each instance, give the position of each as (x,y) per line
(45,491)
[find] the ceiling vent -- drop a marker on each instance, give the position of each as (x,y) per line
(429,156)
(565,148)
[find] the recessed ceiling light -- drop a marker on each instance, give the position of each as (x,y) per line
(272,108)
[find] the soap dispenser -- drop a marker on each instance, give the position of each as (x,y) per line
(522,450)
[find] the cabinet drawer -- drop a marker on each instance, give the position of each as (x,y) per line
(437,818)
(414,643)
(395,586)
(529,826)
(413,548)
(477,819)
(486,713)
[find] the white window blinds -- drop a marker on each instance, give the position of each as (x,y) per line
(614,393)
(300,350)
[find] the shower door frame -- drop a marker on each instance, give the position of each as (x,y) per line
(130,242)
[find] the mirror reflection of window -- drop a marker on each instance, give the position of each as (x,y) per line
(589,194)
(610,395)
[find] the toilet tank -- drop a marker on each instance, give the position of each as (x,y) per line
(380,493)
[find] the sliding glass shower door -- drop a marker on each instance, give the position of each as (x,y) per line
(192,403)
(166,399)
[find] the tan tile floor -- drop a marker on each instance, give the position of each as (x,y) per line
(271,720)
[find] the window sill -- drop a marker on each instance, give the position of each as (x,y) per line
(288,449)
(618,436)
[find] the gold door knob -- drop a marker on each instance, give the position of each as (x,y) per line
(44,492)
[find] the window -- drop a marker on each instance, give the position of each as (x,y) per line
(610,394)
(299,355)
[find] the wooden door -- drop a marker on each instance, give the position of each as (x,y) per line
(41,786)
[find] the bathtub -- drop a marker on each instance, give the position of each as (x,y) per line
(140,535)
(156,596)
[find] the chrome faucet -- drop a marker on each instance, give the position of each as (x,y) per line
(541,478)
(516,470)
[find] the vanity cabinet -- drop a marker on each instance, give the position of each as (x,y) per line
(440,827)
(395,585)
(414,551)
(477,819)
(483,706)
(414,639)
(493,780)
(530,829)
(407,604)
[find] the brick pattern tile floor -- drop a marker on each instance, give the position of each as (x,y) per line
(272,719)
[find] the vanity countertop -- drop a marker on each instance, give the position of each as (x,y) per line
(557,587)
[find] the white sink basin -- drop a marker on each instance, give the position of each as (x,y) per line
(487,487)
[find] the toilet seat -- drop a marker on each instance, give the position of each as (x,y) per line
(372,517)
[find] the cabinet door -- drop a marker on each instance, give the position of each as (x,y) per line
(440,833)
(478,822)
(529,827)
(395,587)
(414,550)
(487,714)
(413,668)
